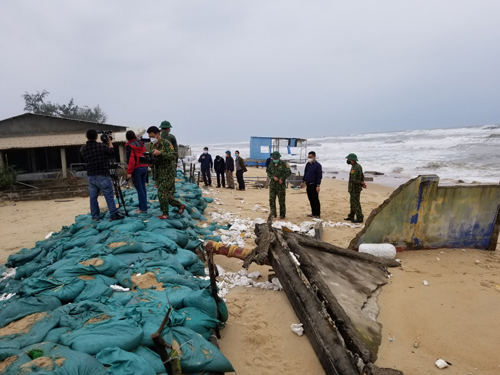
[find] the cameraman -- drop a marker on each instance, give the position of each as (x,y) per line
(96,156)
(137,171)
(164,171)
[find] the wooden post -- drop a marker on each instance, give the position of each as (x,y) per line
(64,163)
(2,162)
(123,157)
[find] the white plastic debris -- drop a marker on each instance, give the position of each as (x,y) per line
(437,258)
(381,250)
(297,329)
(391,338)
(294,257)
(118,288)
(341,224)
(8,274)
(477,262)
(49,235)
(441,364)
(7,296)
(254,275)
(255,208)
(426,282)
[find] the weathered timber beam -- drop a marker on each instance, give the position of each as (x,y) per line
(332,249)
(351,336)
(323,337)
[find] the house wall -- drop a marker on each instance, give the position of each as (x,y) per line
(422,215)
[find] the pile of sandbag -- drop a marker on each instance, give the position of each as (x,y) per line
(92,294)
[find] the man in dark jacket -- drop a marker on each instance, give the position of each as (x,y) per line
(229,170)
(240,169)
(97,157)
(220,169)
(268,162)
(206,166)
(313,174)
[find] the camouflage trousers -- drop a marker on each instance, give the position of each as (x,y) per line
(166,191)
(281,193)
(356,206)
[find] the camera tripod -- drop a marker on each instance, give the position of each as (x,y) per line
(116,185)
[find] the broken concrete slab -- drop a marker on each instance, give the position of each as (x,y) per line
(420,214)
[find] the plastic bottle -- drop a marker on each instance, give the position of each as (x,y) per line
(381,250)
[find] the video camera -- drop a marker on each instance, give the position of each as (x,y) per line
(148,158)
(105,135)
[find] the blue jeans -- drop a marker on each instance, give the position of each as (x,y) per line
(139,177)
(104,184)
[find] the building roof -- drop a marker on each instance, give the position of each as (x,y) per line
(60,140)
(288,138)
(57,118)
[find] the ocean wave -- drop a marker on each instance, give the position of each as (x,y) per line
(494,135)
(433,165)
(490,127)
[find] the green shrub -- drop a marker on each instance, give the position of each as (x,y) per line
(8,177)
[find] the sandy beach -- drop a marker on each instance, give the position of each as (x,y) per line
(455,317)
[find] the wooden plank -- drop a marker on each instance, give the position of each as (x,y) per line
(353,340)
(323,337)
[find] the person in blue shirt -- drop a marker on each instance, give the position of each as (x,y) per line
(207,165)
(313,173)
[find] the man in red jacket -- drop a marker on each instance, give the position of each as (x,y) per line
(137,171)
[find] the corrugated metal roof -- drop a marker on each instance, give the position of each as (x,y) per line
(59,118)
(59,140)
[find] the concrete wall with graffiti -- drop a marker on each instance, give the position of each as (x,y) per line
(422,215)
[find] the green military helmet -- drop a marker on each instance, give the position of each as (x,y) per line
(352,156)
(165,125)
(275,155)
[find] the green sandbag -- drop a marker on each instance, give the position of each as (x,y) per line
(119,243)
(180,237)
(98,239)
(202,300)
(223,311)
(194,319)
(97,288)
(115,330)
(75,314)
(87,224)
(121,362)
(54,335)
(107,224)
(154,241)
(106,265)
(35,333)
(186,257)
(197,269)
(80,238)
(133,227)
(57,360)
(175,279)
(155,223)
(199,355)
(66,289)
(28,269)
(23,256)
(208,199)
(152,358)
(162,260)
(17,308)
(192,245)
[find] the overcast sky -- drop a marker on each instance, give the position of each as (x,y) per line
(226,70)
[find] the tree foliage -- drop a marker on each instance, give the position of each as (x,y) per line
(37,103)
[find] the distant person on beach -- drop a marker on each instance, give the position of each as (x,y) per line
(96,155)
(229,170)
(165,171)
(313,173)
(268,161)
(220,170)
(240,169)
(207,165)
(278,172)
(356,184)
(135,170)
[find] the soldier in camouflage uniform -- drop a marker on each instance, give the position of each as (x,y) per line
(165,133)
(278,171)
(356,184)
(164,171)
